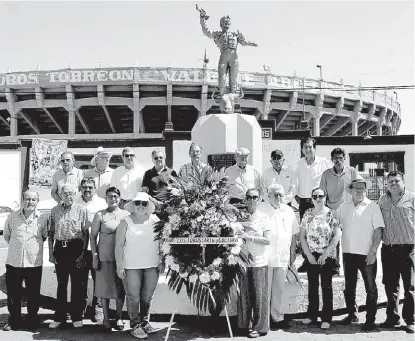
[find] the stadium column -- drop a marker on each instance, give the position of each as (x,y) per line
(13,111)
(355,117)
(381,121)
(317,114)
(394,123)
(266,104)
(138,122)
(169,100)
(71,109)
(203,101)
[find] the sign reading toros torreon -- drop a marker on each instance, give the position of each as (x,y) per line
(203,240)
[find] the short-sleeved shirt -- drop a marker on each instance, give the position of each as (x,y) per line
(399,218)
(190,171)
(25,238)
(283,226)
(257,225)
(68,223)
(155,180)
(73,178)
(320,230)
(285,178)
(359,223)
(128,181)
(334,185)
(102,179)
(240,180)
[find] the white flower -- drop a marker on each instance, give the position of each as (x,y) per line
(176,192)
(231,260)
(167,227)
(175,267)
(217,261)
(204,277)
(184,274)
(199,218)
(193,278)
(169,261)
(174,219)
(166,248)
(235,250)
(215,276)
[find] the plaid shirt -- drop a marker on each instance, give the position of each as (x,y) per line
(188,170)
(68,223)
(25,238)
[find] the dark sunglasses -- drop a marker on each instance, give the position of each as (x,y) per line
(276,157)
(159,158)
(139,202)
(66,160)
(320,196)
(88,187)
(129,155)
(249,197)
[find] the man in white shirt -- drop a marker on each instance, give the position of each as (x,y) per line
(278,174)
(281,250)
(307,174)
(101,172)
(362,232)
(93,203)
(242,176)
(128,178)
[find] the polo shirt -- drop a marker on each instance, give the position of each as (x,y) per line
(102,180)
(285,178)
(334,185)
(60,178)
(240,180)
(399,218)
(128,181)
(307,177)
(359,223)
(155,180)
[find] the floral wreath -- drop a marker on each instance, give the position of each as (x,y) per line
(195,208)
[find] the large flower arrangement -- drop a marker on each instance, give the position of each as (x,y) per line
(199,208)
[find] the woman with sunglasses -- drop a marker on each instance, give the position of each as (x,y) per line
(320,231)
(253,299)
(138,261)
(107,284)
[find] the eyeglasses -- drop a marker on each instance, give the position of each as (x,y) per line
(277,157)
(140,202)
(67,194)
(249,197)
(159,158)
(278,195)
(359,188)
(88,187)
(129,155)
(113,196)
(66,160)
(320,196)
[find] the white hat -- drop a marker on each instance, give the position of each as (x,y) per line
(100,150)
(143,197)
(359,180)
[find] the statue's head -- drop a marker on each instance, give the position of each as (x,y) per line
(225,22)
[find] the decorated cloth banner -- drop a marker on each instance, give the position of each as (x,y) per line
(45,160)
(203,240)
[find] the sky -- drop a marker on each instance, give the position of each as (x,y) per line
(371,43)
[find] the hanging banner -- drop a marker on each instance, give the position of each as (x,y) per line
(45,160)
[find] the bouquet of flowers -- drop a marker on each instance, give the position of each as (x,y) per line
(194,208)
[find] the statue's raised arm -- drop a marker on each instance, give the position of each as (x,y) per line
(203,18)
(244,42)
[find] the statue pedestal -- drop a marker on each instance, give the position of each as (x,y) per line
(223,134)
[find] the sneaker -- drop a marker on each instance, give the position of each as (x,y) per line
(369,326)
(253,334)
(410,328)
(389,324)
(55,325)
(309,321)
(98,315)
(325,326)
(78,324)
(349,319)
(148,328)
(139,333)
(7,327)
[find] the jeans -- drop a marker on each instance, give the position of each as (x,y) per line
(398,261)
(140,285)
(14,280)
(325,272)
(352,264)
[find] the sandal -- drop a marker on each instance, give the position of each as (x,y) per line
(120,325)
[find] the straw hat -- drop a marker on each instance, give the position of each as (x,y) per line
(358,181)
(143,197)
(98,152)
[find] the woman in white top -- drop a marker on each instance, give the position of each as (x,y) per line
(138,261)
(320,232)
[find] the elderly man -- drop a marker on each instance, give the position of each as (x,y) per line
(397,207)
(67,175)
(362,231)
(68,242)
(93,203)
(284,231)
(278,174)
(127,178)
(101,172)
(242,176)
(158,176)
(195,168)
(25,231)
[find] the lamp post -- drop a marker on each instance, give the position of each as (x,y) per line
(396,96)
(321,72)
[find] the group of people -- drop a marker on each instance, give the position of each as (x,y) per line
(103,224)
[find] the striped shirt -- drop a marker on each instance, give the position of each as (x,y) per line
(25,237)
(189,171)
(399,218)
(67,223)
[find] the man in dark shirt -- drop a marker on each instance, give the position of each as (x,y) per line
(158,176)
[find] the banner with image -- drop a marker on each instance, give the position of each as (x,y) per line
(44,161)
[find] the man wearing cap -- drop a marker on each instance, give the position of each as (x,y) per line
(362,232)
(101,171)
(278,174)
(127,178)
(67,175)
(398,209)
(242,176)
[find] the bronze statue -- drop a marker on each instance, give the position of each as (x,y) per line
(227,42)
